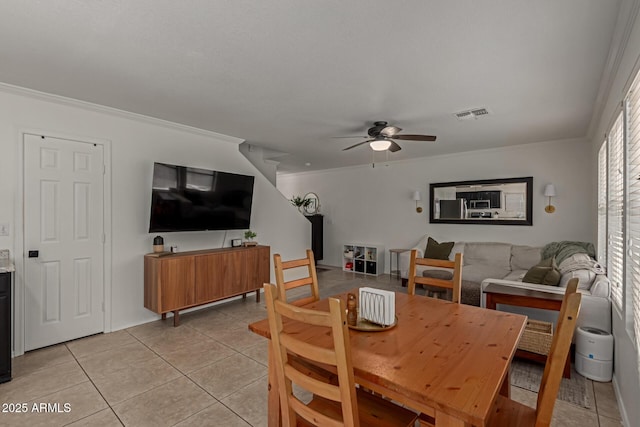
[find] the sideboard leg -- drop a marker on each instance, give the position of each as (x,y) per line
(164,316)
(176,318)
(257,295)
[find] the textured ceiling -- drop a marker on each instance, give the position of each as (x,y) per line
(288,75)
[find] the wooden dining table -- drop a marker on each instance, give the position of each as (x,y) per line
(448,361)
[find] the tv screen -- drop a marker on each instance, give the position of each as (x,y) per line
(190,199)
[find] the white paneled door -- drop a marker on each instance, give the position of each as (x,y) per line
(64,240)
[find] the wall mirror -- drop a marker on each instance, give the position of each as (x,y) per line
(491,201)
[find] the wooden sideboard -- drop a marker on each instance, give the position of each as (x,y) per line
(174,282)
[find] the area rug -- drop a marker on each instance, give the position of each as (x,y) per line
(528,375)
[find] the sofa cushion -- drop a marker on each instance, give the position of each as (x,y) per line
(458,247)
(545,273)
(435,250)
(601,286)
(496,255)
(525,257)
(585,278)
(479,272)
(516,275)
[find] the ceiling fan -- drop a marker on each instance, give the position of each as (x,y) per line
(382,137)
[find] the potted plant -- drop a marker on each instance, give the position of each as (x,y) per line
(300,202)
(249,235)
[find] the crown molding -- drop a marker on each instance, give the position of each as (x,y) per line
(72,102)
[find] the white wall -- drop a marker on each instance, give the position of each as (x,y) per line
(374,205)
(626,375)
(136,142)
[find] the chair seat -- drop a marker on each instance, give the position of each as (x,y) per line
(508,413)
(372,411)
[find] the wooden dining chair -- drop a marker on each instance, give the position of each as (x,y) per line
(455,283)
(311,279)
(332,405)
(508,412)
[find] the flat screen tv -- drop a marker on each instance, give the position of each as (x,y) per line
(191,199)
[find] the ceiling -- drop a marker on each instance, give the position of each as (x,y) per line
(288,75)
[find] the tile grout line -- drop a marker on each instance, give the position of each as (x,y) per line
(94,386)
(187,376)
(237,391)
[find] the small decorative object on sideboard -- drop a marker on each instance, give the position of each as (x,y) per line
(158,244)
(249,235)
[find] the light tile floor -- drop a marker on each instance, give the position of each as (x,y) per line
(209,371)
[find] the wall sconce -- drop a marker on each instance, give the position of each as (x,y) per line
(417,197)
(550,191)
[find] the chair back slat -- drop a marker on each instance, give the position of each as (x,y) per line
(284,344)
(298,282)
(311,278)
(295,263)
(441,283)
(455,284)
(313,417)
(309,351)
(321,388)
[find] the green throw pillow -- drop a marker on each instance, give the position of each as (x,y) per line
(437,250)
(545,273)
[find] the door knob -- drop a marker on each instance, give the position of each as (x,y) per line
(34,254)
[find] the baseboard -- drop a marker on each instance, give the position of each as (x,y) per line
(623,412)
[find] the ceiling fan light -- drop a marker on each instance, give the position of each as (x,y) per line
(380,144)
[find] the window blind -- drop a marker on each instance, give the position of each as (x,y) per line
(602,204)
(615,209)
(633,203)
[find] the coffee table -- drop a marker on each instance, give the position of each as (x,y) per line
(511,295)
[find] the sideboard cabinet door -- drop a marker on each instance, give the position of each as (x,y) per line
(256,268)
(177,283)
(217,275)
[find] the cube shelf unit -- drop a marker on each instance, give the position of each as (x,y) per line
(361,258)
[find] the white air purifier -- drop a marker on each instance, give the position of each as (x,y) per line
(594,353)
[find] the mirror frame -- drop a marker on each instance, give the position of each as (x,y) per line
(529,197)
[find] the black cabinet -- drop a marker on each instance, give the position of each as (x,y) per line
(316,235)
(494,197)
(5,327)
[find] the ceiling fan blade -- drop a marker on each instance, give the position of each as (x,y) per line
(354,146)
(394,147)
(415,137)
(389,131)
(355,136)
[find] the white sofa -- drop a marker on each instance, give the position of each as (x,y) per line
(507,264)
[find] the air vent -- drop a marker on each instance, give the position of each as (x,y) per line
(479,112)
(471,114)
(464,115)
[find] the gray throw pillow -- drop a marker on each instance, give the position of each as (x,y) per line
(437,250)
(545,273)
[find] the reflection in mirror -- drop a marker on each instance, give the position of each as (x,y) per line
(493,201)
